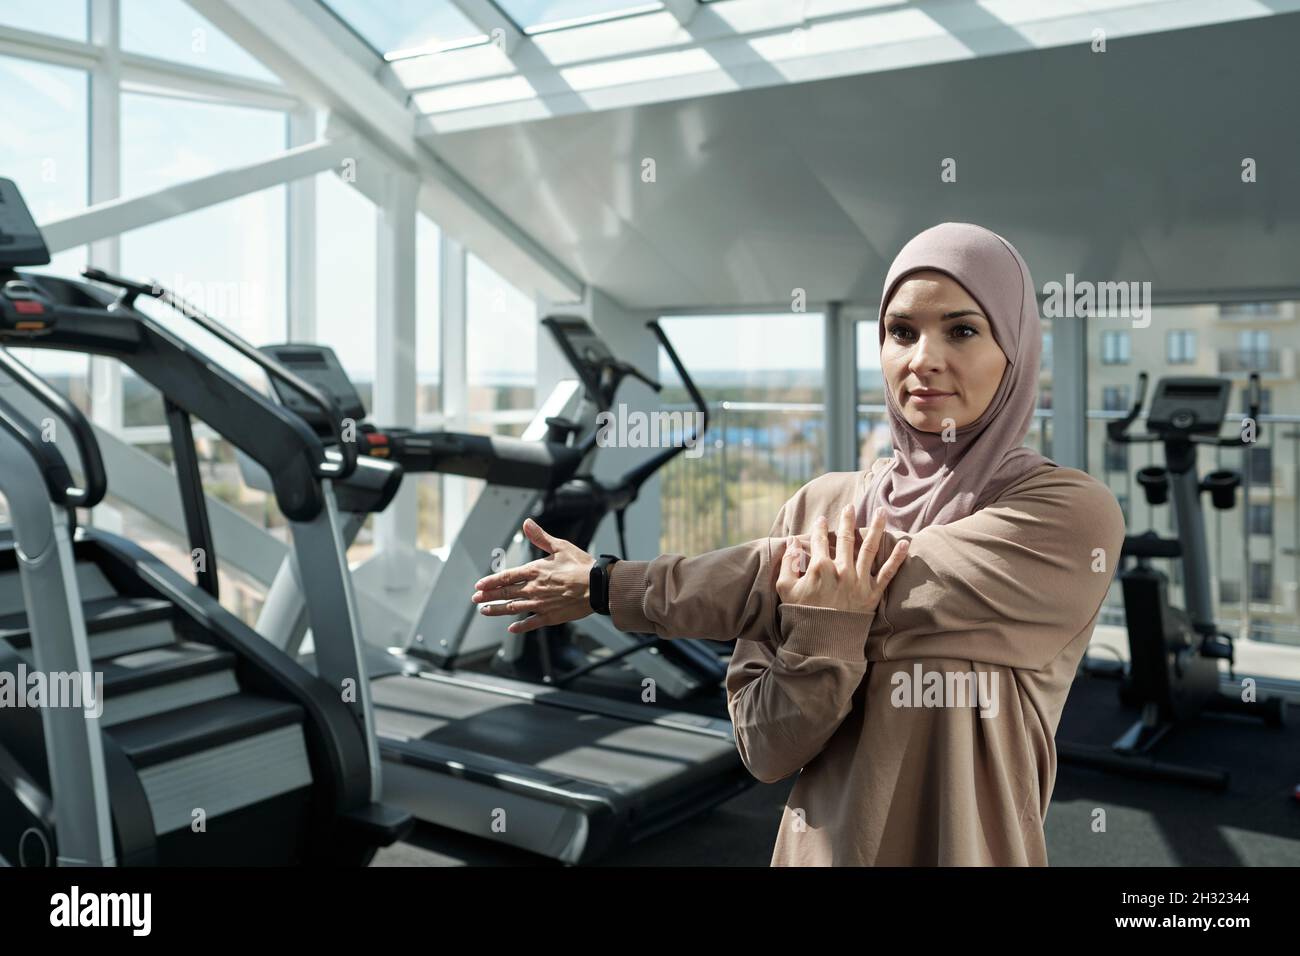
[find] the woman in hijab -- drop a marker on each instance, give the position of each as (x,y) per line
(912,666)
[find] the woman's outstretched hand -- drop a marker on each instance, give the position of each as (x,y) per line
(842,582)
(555,589)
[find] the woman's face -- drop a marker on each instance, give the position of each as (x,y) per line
(939,358)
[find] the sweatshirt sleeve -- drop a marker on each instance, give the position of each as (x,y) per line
(722,595)
(787,698)
(1011,584)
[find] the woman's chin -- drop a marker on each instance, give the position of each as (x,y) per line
(925,421)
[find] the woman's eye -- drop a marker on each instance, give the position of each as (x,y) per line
(963,330)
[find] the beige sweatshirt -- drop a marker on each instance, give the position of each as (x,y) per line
(922,733)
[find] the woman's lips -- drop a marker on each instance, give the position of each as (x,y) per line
(931,398)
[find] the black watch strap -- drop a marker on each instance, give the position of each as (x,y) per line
(599,583)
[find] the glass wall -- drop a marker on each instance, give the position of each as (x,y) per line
(762,378)
(501,347)
(173,30)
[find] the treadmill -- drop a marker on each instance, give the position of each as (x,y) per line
(206,746)
(558,772)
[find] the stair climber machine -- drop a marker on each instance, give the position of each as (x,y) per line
(538,765)
(204,744)
(1173,674)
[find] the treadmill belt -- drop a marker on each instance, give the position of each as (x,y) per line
(626,756)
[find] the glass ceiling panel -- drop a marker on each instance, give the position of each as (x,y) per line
(395,27)
(535,16)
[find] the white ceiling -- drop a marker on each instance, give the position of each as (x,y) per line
(1115,166)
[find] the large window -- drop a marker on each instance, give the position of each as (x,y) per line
(874,439)
(64,18)
(1115,348)
(401,26)
(536,16)
(1181,347)
(166,140)
(346,244)
(229,259)
(173,30)
(762,376)
(501,341)
(1115,398)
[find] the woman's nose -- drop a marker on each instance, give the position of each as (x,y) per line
(929,355)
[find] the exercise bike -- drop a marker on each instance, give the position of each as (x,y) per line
(1173,673)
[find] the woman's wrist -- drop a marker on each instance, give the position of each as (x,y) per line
(825,631)
(599,585)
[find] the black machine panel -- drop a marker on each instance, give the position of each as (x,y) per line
(1189,405)
(585,351)
(20,241)
(317,365)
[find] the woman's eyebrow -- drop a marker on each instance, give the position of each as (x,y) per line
(959,314)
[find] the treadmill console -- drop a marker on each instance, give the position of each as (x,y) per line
(319,366)
(586,353)
(24,308)
(21,243)
(1189,405)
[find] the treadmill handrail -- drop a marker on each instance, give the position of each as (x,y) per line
(83,435)
(325,468)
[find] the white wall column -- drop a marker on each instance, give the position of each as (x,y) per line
(105,165)
(453,327)
(301,225)
(394,397)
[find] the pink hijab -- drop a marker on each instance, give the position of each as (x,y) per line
(930,481)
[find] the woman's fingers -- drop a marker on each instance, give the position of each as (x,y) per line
(528,624)
(820,547)
(511,606)
(844,541)
(891,566)
(534,533)
(789,572)
(870,545)
(519,589)
(501,579)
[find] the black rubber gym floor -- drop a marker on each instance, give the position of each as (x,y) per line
(1255,822)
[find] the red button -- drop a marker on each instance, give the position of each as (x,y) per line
(28,307)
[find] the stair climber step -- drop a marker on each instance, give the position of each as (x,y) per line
(91,582)
(218,756)
(116,625)
(155,681)
(187,730)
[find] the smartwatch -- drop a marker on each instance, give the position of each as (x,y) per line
(599,583)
